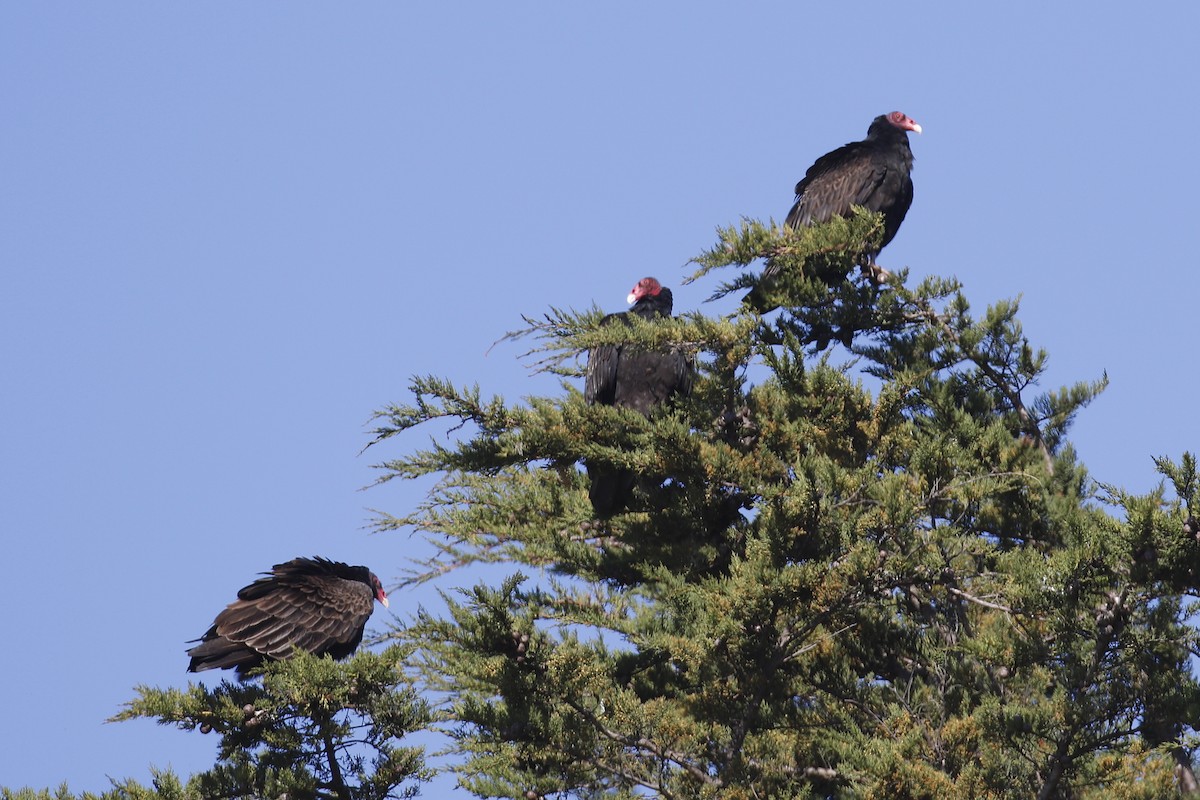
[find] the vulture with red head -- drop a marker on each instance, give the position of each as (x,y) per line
(628,376)
(306,604)
(874,173)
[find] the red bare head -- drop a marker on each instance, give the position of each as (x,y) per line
(380,595)
(903,121)
(646,287)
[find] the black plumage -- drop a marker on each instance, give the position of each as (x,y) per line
(629,376)
(874,173)
(306,604)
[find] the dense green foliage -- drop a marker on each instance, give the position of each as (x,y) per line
(165,786)
(880,577)
(313,728)
(825,591)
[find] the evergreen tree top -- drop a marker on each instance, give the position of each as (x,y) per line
(886,577)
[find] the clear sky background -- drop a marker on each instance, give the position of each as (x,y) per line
(230,231)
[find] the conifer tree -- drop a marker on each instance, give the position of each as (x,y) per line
(884,576)
(165,785)
(311,728)
(862,561)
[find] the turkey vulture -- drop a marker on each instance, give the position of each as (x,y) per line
(627,376)
(310,604)
(873,173)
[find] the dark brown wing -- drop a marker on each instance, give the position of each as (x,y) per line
(874,173)
(849,176)
(600,382)
(684,374)
(272,619)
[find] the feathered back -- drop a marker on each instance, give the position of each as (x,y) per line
(874,173)
(310,604)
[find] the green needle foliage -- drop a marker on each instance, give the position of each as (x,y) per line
(819,589)
(314,728)
(879,579)
(165,786)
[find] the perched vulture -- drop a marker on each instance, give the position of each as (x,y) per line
(630,377)
(310,604)
(873,173)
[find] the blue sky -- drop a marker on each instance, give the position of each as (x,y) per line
(229,231)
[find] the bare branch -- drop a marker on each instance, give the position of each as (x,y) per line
(977,600)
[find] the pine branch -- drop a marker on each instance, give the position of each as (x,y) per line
(646,745)
(799,252)
(883,584)
(341,790)
(977,600)
(981,360)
